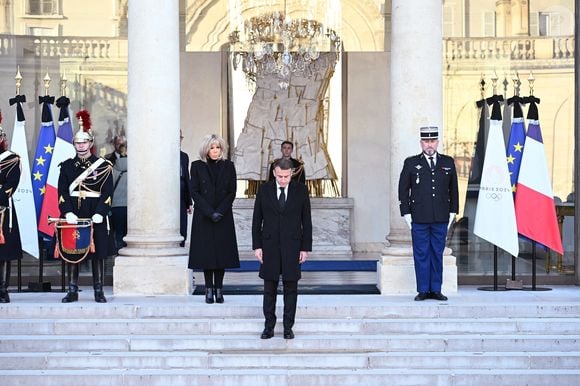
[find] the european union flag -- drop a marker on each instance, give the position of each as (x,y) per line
(515,146)
(43,155)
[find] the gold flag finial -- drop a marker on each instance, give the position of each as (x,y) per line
(531,80)
(46,81)
(494,79)
(63,81)
(482,85)
(517,83)
(18,79)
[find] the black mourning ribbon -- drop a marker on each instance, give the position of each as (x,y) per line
(533,109)
(517,101)
(495,106)
(18,99)
(62,103)
(46,101)
(282,198)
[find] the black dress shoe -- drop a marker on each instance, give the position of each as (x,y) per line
(421,296)
(100,296)
(288,334)
(267,333)
(71,297)
(209,295)
(219,295)
(4,297)
(438,296)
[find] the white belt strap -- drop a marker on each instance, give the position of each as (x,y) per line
(84,193)
(84,175)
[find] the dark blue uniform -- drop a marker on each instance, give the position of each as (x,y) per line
(11,248)
(92,196)
(429,196)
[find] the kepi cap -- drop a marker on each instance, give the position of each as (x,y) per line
(429,132)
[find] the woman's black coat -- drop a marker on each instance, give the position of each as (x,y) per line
(213,245)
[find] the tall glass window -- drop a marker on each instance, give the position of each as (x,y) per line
(510,48)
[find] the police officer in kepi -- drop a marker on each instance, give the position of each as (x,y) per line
(428,198)
(85,189)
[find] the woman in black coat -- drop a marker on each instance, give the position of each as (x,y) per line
(213,245)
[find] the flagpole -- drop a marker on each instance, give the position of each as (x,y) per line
(18,79)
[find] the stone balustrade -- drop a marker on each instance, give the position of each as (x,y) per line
(513,48)
(90,47)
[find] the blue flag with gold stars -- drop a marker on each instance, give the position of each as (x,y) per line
(43,156)
(515,146)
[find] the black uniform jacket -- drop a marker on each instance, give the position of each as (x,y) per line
(100,185)
(428,196)
(213,245)
(9,179)
(282,233)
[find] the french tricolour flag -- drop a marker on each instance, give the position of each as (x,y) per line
(534,202)
(63,150)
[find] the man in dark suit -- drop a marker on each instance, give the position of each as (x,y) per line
(281,240)
(429,200)
(186,204)
(298,175)
(120,145)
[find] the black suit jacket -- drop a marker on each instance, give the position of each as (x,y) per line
(184,181)
(282,233)
(428,196)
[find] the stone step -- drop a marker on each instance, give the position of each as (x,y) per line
(304,343)
(289,377)
(360,361)
(250,306)
(202,326)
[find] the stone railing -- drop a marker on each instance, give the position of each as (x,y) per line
(514,48)
(64,46)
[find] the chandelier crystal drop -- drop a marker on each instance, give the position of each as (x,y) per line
(273,43)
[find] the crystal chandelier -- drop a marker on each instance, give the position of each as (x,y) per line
(271,42)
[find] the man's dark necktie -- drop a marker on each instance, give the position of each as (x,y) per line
(282,198)
(431,163)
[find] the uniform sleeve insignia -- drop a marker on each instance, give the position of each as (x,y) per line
(108,201)
(9,191)
(60,200)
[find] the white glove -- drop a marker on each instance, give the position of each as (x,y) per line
(451,218)
(409,220)
(97,218)
(71,218)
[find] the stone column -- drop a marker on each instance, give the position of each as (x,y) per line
(153,263)
(416,100)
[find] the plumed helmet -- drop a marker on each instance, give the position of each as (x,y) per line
(84,133)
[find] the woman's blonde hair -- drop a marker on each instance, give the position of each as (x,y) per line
(206,143)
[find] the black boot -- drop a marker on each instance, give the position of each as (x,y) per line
(219,295)
(98,276)
(209,295)
(4,281)
(73,280)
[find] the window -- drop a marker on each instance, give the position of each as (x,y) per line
(489,24)
(42,7)
(448,20)
(534,24)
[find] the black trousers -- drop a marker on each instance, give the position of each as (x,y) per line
(290,300)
